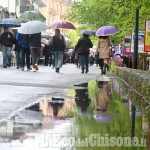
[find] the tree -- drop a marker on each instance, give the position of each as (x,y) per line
(119,13)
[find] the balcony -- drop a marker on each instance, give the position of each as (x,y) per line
(53,11)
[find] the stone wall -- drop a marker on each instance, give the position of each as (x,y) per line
(139,87)
(137,79)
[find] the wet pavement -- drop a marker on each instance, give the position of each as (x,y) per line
(20,89)
(91,115)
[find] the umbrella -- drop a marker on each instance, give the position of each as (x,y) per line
(106,30)
(88,32)
(32,27)
(31,16)
(62,25)
(10,23)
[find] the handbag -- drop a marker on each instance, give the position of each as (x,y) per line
(111,53)
(80,50)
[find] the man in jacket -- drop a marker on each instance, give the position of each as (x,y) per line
(7,39)
(84,43)
(25,50)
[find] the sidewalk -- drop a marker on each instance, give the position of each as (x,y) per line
(19,89)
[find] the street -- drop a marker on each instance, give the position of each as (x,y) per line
(20,89)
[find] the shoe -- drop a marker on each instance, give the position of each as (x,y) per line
(17,67)
(36,66)
(57,70)
(9,65)
(4,66)
(28,69)
(104,72)
(86,71)
(22,69)
(34,69)
(82,71)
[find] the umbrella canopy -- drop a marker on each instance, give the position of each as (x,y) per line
(106,30)
(32,16)
(88,32)
(62,25)
(10,23)
(32,27)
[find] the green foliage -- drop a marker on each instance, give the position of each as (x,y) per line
(92,14)
(73,35)
(112,68)
(92,93)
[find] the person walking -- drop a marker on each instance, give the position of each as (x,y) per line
(23,40)
(35,45)
(17,50)
(58,46)
(84,44)
(103,48)
(6,40)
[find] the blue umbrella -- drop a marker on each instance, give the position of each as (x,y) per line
(10,23)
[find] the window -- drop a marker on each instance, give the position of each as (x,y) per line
(50,4)
(57,7)
(54,5)
(61,9)
(17,2)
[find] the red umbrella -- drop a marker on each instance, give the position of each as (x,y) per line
(62,25)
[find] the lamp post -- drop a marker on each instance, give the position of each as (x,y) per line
(135,64)
(135,55)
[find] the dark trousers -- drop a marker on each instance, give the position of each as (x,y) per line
(84,59)
(25,54)
(18,57)
(101,63)
(35,53)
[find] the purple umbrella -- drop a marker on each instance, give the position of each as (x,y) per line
(106,30)
(62,25)
(103,118)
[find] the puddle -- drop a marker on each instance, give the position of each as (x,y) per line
(99,116)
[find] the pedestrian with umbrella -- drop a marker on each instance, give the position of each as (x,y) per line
(23,40)
(34,29)
(83,46)
(58,46)
(6,40)
(102,48)
(103,45)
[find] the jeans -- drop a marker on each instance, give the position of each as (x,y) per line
(25,54)
(53,60)
(18,57)
(58,59)
(35,53)
(84,59)
(6,55)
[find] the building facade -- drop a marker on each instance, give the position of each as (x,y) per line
(55,10)
(28,5)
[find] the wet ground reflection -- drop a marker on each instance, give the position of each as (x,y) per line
(101,108)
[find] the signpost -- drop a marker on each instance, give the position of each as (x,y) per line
(127,44)
(147,36)
(140,41)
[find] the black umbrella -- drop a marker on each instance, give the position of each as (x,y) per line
(88,32)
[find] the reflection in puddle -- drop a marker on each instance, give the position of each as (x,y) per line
(100,108)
